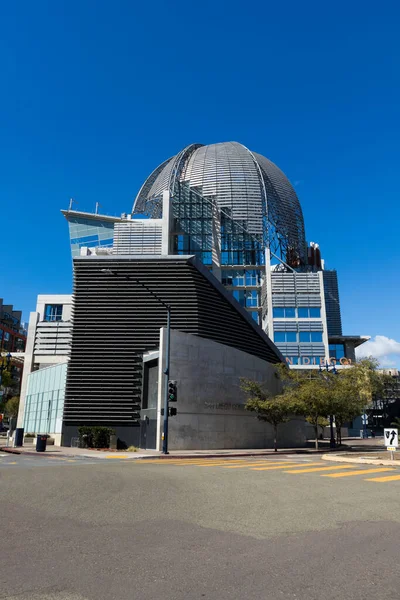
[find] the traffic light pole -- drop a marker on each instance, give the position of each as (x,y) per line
(166,379)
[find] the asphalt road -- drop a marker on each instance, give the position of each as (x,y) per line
(146,530)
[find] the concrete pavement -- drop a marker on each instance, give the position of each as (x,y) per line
(182,531)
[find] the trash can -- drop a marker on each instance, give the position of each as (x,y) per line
(19,437)
(41,441)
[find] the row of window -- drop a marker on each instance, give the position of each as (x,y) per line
(239,277)
(302,336)
(303,312)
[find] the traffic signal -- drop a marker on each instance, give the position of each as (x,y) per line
(172,390)
(172,412)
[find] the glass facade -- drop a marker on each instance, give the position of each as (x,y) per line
(310,336)
(192,225)
(91,232)
(285,336)
(44,401)
(336,351)
(307,312)
(241,277)
(246,298)
(284,313)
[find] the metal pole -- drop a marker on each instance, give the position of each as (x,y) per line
(166,379)
(332,442)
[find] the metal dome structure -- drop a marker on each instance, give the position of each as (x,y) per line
(245,186)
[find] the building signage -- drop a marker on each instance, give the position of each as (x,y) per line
(316,360)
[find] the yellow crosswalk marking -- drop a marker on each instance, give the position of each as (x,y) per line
(321,469)
(253,464)
(387,478)
(216,464)
(283,466)
(360,472)
(117,457)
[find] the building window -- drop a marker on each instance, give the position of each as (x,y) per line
(336,351)
(309,312)
(310,336)
(252,277)
(281,312)
(254,316)
(246,298)
(252,299)
(53,312)
(285,336)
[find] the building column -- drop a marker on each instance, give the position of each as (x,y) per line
(166,222)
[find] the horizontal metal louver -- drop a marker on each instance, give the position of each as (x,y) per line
(116,321)
(138,237)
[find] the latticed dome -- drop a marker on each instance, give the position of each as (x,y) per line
(248,185)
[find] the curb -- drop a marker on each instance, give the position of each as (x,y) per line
(361,461)
(132,456)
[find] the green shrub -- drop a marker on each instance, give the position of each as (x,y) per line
(30,435)
(85,436)
(132,449)
(94,437)
(101,437)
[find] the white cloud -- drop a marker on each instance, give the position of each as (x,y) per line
(380,347)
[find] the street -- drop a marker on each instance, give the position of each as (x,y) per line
(274,528)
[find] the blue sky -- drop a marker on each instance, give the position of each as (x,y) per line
(96,94)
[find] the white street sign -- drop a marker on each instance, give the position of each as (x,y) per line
(391,437)
(364,419)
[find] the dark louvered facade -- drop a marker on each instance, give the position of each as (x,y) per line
(332,303)
(116,321)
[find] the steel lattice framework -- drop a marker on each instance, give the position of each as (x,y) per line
(246,186)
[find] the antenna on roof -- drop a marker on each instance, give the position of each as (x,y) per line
(96,212)
(71,202)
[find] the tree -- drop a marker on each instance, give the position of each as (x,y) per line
(271,409)
(396,423)
(354,391)
(11,407)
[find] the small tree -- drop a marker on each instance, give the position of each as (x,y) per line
(271,409)
(11,407)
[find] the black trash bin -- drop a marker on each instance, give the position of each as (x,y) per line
(19,437)
(41,441)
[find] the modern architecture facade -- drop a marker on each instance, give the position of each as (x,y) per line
(118,355)
(48,344)
(218,233)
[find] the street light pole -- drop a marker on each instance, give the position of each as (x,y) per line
(166,378)
(167,352)
(332,441)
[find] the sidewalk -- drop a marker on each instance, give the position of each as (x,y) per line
(64,451)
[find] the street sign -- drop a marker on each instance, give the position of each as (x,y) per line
(364,419)
(391,437)
(391,448)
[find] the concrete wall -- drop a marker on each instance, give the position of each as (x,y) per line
(210,403)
